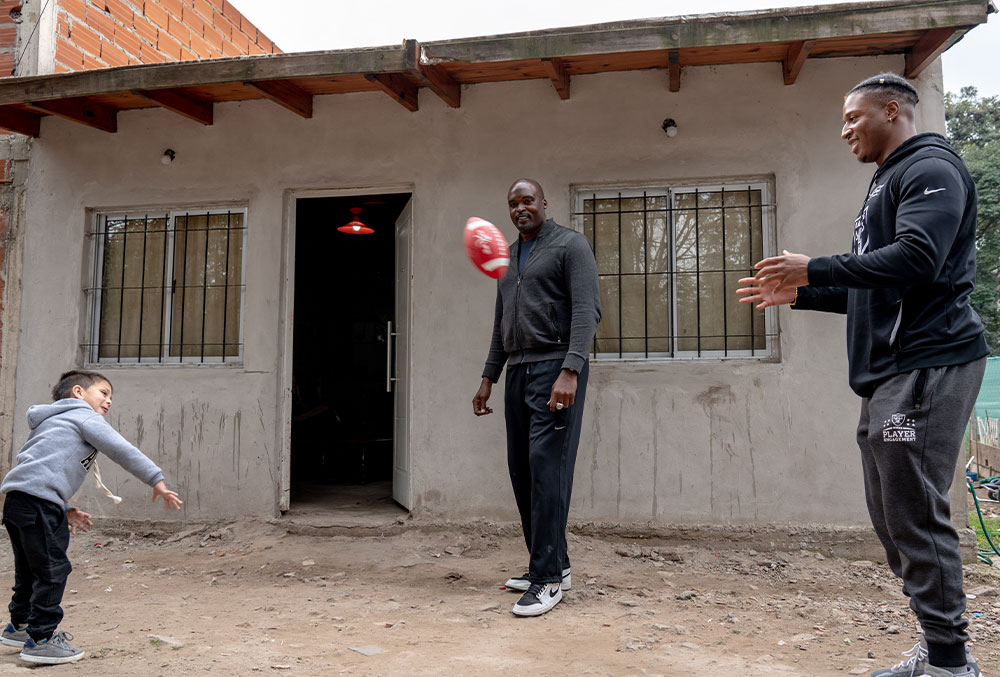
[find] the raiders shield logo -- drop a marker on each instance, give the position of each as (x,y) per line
(897,419)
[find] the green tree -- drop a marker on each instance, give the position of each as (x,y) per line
(974,131)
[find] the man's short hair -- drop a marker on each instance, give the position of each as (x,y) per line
(76,377)
(538,186)
(886,87)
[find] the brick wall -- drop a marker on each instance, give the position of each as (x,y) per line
(103,33)
(8,35)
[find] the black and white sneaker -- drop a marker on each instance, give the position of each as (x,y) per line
(539,598)
(521,583)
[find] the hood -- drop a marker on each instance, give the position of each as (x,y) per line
(39,412)
(913,144)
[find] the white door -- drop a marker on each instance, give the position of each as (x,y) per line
(400,361)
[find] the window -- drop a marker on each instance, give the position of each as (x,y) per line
(168,287)
(668,260)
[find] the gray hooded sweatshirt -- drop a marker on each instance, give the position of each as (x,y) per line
(62,445)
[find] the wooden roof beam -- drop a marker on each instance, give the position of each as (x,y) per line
(797,54)
(556,68)
(22,122)
(674,66)
(929,47)
(180,103)
(295,99)
(82,110)
(200,73)
(398,86)
(435,78)
(784,25)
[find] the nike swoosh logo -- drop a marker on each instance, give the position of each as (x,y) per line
(552,592)
(928,191)
(558,428)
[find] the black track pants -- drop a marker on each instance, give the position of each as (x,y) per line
(910,435)
(541,455)
(39,535)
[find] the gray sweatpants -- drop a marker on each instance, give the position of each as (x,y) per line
(910,435)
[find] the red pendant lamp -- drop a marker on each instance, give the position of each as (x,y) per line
(355,227)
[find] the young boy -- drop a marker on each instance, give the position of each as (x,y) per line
(63,443)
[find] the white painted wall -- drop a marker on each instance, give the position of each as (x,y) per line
(700,442)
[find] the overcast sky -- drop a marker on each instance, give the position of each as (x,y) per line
(306,25)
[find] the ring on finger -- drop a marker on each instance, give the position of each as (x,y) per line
(559,405)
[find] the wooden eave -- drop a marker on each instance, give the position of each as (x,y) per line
(919,30)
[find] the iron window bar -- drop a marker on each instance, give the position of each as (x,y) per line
(591,205)
(113,248)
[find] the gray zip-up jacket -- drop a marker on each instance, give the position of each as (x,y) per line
(62,445)
(552,310)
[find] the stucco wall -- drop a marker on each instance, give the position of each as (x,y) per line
(706,442)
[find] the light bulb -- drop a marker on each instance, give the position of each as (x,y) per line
(356,228)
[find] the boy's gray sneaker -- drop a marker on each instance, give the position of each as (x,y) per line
(916,665)
(52,651)
(931,671)
(521,583)
(11,636)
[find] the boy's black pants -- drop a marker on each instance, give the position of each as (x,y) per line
(910,435)
(39,535)
(541,455)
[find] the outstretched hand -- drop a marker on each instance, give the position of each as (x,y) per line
(787,270)
(763,295)
(78,519)
(170,498)
(776,280)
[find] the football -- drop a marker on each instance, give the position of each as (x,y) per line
(486,247)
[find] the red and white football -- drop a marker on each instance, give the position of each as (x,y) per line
(486,247)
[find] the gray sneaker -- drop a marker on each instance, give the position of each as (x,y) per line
(13,636)
(54,650)
(931,671)
(521,583)
(916,665)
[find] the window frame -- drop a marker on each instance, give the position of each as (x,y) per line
(670,189)
(98,220)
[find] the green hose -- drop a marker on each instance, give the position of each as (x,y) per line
(983,555)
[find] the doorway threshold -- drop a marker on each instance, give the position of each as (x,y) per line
(366,509)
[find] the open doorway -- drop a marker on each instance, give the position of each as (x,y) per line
(344,418)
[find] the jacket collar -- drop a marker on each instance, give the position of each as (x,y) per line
(546,229)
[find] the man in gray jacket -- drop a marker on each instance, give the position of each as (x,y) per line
(547,310)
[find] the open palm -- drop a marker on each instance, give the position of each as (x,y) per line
(763,294)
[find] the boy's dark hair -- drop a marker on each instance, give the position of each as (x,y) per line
(76,377)
(885,87)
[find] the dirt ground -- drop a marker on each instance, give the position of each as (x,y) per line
(250,597)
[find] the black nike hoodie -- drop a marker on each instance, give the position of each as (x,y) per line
(905,287)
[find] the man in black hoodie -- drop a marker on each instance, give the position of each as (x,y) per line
(916,349)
